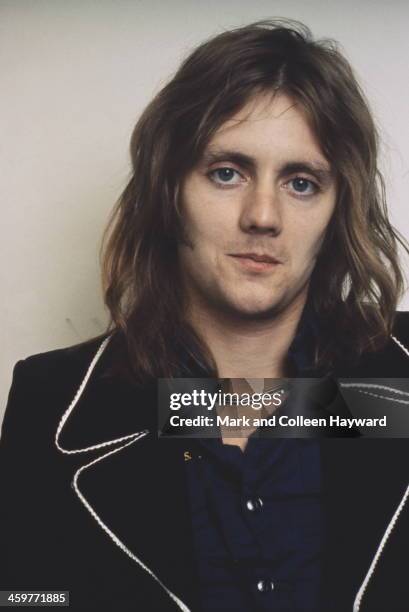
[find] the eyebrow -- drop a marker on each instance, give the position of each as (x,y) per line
(319,169)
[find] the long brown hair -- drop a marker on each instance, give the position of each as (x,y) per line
(357,280)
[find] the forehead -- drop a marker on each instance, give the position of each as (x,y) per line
(271,127)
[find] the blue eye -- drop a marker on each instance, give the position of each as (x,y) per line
(226,176)
(303,186)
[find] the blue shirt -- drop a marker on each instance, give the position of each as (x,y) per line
(257,517)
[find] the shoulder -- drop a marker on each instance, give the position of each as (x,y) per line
(64,362)
(43,381)
(391,361)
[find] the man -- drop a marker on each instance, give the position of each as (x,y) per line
(251,244)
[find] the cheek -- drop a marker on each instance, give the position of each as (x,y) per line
(204,232)
(207,225)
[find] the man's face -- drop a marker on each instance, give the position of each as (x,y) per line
(255,210)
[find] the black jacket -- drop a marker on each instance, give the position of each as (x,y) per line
(59,523)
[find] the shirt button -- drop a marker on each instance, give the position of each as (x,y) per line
(254,504)
(263,586)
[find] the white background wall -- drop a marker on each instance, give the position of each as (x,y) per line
(74,77)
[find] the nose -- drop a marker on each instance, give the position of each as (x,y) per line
(261,212)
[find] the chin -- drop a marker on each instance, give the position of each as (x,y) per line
(259,310)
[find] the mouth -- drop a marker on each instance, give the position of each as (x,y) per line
(255,262)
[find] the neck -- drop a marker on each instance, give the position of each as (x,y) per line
(248,348)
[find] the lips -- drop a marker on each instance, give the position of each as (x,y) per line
(262,258)
(255,263)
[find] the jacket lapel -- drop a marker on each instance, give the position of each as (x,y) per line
(139,493)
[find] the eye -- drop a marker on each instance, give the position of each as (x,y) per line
(225,176)
(303,187)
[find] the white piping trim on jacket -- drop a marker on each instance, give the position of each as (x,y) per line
(379,551)
(394,519)
(361,386)
(131,439)
(74,402)
(401,346)
(134,437)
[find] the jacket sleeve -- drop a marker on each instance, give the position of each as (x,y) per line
(17,481)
